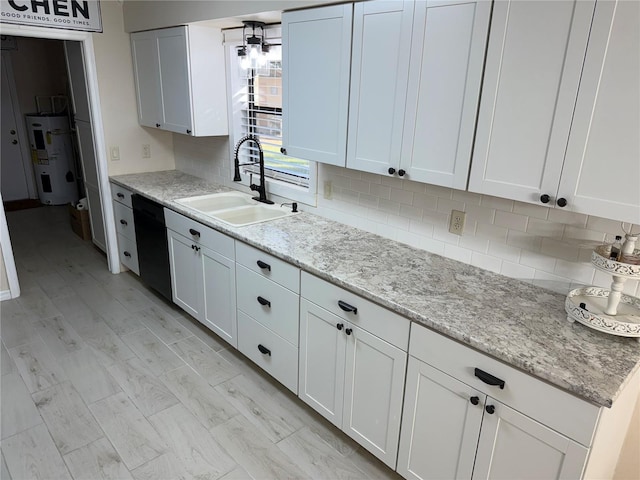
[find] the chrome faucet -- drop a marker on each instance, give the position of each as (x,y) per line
(261,189)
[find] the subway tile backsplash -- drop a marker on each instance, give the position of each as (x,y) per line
(545,246)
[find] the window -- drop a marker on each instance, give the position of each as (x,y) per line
(257,110)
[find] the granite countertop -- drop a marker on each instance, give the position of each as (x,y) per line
(513,321)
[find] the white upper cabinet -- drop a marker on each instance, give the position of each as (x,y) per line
(379,70)
(316,57)
(180,80)
(533,67)
(601,174)
(416,68)
(447,55)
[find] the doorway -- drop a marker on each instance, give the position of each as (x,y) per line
(101,197)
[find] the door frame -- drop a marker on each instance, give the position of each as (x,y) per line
(86,39)
(7,256)
(22,134)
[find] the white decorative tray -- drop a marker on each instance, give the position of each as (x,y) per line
(600,260)
(625,324)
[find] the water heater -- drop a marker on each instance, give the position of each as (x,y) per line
(52,156)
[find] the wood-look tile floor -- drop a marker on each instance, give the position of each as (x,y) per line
(103,379)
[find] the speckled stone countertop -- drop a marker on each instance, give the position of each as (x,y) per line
(513,321)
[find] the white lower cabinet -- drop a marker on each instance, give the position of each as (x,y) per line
(203,274)
(469,416)
(268,309)
(447,425)
(352,377)
(125,227)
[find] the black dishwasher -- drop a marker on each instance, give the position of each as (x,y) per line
(153,248)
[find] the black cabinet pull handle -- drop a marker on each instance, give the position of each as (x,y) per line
(193,232)
(264,350)
(127,254)
(489,379)
(264,301)
(346,307)
(391,170)
(490,409)
(157,125)
(283,150)
(264,266)
(474,400)
(123,222)
(340,326)
(189,131)
(195,247)
(545,198)
(401,172)
(120,195)
(348,331)
(562,202)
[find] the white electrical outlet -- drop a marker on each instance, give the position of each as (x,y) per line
(456,224)
(328,190)
(146,151)
(115,153)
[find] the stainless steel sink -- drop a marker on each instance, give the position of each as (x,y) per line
(234,208)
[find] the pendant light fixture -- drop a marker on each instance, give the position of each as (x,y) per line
(254,49)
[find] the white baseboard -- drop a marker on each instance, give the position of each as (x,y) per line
(5,295)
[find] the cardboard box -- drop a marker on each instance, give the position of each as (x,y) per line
(80,222)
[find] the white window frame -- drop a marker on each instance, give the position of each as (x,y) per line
(288,191)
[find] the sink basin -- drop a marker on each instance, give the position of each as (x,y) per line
(234,208)
(217,201)
(242,216)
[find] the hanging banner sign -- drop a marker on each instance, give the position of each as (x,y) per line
(81,15)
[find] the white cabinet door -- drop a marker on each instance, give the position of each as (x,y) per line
(144,49)
(175,86)
(316,54)
(374,381)
(533,66)
(379,70)
(186,274)
(514,446)
(440,425)
(322,359)
(602,168)
(447,55)
(219,293)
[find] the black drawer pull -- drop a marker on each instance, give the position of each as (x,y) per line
(340,326)
(264,266)
(264,350)
(490,409)
(348,331)
(489,379)
(193,232)
(474,400)
(127,254)
(346,307)
(264,301)
(123,222)
(120,195)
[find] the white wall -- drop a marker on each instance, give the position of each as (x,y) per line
(38,69)
(149,14)
(545,246)
(118,101)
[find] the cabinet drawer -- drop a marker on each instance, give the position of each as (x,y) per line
(128,253)
(199,233)
(549,405)
(281,361)
(124,220)
(383,323)
(121,194)
(268,266)
(280,315)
